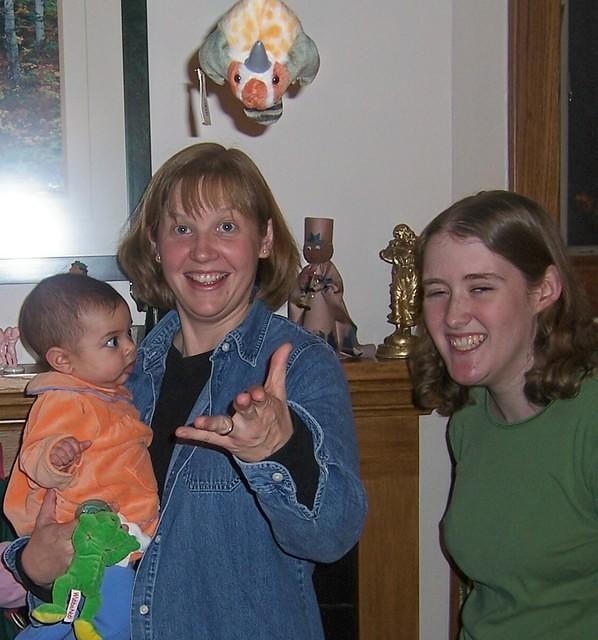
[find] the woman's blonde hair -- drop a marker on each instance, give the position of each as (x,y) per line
(203,175)
(566,342)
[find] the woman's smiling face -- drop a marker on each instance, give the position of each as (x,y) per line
(209,259)
(479,311)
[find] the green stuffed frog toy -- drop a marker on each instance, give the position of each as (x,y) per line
(99,541)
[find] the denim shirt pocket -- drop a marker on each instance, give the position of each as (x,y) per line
(210,471)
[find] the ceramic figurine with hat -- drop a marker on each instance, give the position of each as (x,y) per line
(317,301)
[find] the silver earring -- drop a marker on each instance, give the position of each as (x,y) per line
(158,258)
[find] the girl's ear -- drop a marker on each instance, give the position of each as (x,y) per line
(59,359)
(550,288)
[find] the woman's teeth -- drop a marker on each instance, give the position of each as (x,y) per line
(206,278)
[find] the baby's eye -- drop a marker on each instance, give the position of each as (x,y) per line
(227,227)
(112,342)
(182,229)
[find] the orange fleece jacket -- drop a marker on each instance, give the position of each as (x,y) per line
(116,468)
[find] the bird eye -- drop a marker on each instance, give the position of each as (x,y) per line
(237,78)
(275,79)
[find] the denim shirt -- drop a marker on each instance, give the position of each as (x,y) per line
(234,550)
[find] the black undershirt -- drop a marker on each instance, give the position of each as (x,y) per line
(183,381)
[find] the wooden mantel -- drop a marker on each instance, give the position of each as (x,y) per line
(388,436)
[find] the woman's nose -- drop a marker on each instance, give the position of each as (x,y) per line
(457,312)
(203,248)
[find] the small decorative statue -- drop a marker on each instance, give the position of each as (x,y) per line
(317,302)
(8,351)
(79,267)
(259,48)
(403,292)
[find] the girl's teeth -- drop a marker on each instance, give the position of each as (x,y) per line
(466,343)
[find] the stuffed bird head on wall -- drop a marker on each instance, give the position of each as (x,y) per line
(259,48)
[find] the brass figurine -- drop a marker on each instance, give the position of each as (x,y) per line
(403,293)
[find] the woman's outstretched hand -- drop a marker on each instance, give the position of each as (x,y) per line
(261,423)
(49,552)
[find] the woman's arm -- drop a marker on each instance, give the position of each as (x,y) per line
(324,531)
(47,553)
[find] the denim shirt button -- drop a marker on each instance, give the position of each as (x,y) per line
(277,476)
(143,609)
(157,539)
(225,347)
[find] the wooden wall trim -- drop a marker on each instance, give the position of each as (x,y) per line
(534,100)
(535,114)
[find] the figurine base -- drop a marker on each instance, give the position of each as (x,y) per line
(396,346)
(10,370)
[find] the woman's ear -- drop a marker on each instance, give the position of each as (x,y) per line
(58,358)
(550,288)
(267,241)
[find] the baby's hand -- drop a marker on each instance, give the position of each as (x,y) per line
(67,452)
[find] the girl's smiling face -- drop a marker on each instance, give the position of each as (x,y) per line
(480,312)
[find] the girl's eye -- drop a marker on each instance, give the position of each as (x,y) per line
(227,227)
(433,293)
(182,229)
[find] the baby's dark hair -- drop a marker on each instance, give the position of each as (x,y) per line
(50,313)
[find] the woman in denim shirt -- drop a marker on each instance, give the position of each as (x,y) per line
(263,482)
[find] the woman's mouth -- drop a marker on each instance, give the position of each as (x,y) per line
(207,279)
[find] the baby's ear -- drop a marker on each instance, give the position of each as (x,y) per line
(58,358)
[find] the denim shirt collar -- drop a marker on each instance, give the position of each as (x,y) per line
(248,337)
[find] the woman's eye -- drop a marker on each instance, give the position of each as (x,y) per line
(482,289)
(227,227)
(181,229)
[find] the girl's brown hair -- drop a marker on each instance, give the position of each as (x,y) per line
(566,343)
(204,175)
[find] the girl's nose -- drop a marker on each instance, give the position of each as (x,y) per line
(457,312)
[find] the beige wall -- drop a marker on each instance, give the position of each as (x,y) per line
(407,113)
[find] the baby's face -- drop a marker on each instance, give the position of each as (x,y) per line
(105,354)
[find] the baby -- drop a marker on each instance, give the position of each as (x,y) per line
(83,437)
